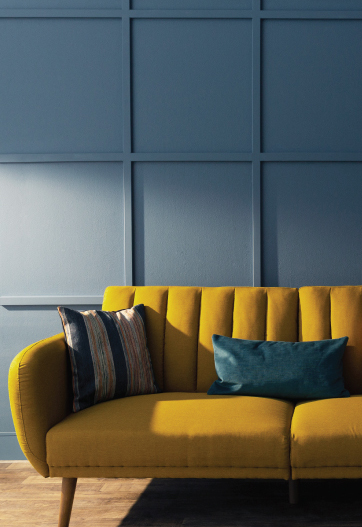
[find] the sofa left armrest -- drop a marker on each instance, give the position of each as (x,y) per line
(40,395)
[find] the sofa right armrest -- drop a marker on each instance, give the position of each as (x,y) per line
(40,395)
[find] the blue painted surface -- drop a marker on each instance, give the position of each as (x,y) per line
(192,224)
(61,80)
(191,95)
(64,228)
(21,326)
(10,449)
(191,4)
(312,82)
(312,224)
(191,85)
(328,5)
(60,4)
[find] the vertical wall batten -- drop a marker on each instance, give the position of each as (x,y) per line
(256,142)
(127,143)
(128,237)
(256,211)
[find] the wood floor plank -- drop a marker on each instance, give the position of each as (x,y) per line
(28,499)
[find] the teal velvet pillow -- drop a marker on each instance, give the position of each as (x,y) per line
(287,370)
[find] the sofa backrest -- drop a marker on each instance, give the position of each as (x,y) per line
(333,312)
(181,321)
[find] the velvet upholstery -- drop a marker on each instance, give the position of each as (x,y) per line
(176,430)
(289,370)
(180,322)
(326,438)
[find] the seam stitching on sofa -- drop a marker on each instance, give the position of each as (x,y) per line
(164,341)
(165,466)
(21,405)
(266,314)
(198,341)
(290,440)
(329,466)
(232,318)
(298,317)
(330,312)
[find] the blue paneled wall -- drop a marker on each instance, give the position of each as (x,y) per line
(180,142)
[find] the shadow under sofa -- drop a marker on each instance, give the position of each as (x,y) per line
(183,432)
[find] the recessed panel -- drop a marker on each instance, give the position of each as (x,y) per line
(191,85)
(311,224)
(311,86)
(192,224)
(192,4)
(315,5)
(62,228)
(61,80)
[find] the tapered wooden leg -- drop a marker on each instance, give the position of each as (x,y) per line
(66,501)
(293,491)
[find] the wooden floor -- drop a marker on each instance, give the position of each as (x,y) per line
(29,500)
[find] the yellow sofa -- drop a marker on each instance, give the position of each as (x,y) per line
(182,432)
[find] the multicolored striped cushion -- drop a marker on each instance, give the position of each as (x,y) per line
(108,353)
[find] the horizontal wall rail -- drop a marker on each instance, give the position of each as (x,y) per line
(60,13)
(50,300)
(181,13)
(183,157)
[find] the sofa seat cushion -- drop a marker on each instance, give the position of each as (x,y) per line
(174,430)
(326,438)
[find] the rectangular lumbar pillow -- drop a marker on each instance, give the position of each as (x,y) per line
(290,370)
(108,354)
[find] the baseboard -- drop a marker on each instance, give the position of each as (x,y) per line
(10,449)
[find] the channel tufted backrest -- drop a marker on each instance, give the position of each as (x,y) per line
(333,312)
(182,320)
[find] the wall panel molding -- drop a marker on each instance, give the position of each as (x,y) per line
(60,13)
(256,142)
(59,300)
(127,145)
(260,10)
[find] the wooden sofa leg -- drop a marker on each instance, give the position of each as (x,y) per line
(293,491)
(66,501)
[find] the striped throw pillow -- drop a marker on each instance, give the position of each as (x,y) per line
(108,354)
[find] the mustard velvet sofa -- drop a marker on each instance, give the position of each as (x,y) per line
(183,432)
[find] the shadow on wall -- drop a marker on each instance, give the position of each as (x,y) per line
(228,502)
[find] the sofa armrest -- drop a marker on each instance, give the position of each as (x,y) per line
(40,395)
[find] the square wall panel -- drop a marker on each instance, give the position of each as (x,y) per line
(312,85)
(64,230)
(311,224)
(61,83)
(192,224)
(191,85)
